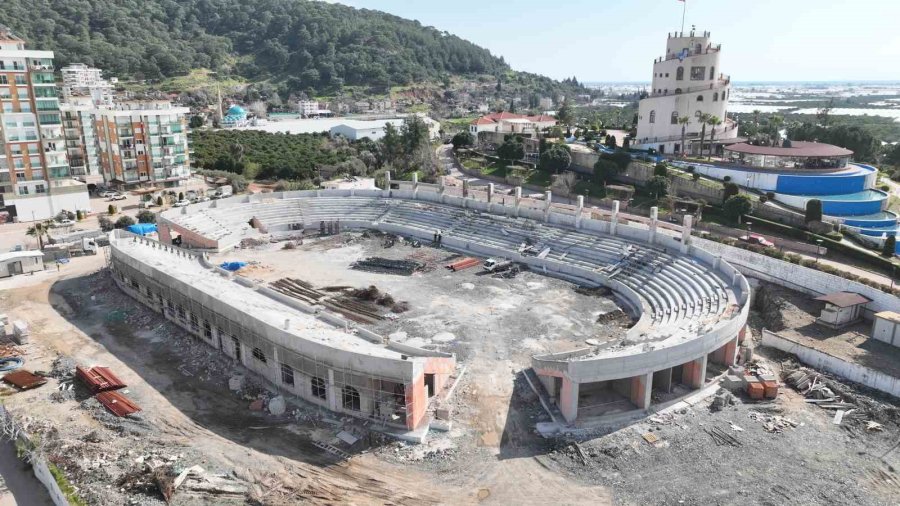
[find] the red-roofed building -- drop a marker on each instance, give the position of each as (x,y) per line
(511,123)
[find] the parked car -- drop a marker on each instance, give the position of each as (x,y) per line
(63,223)
(180,203)
(117,196)
(107,193)
(757,239)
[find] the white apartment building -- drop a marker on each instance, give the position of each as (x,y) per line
(308,108)
(79,80)
(687,83)
(35,179)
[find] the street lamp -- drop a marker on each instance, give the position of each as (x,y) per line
(818,249)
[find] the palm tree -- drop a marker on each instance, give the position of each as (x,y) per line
(38,230)
(713,121)
(683,121)
(775,123)
(703,118)
(756,113)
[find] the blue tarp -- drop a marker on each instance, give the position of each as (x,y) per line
(232,266)
(142,228)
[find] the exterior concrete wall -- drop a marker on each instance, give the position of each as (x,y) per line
(46,206)
(196,309)
(28,264)
(797,277)
(886,331)
(821,360)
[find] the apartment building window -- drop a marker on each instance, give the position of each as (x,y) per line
(287,375)
(318,388)
(350,398)
(679,74)
(652,116)
(4,80)
(21,80)
(39,189)
(23,190)
(259,355)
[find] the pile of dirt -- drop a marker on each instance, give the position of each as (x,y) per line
(770,307)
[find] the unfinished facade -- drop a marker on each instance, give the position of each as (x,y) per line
(305,352)
(691,307)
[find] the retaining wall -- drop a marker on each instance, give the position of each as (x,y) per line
(797,277)
(821,360)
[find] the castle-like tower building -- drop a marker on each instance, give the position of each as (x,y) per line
(687,83)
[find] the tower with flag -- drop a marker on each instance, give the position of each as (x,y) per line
(688,90)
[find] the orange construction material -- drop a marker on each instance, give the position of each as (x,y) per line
(117,403)
(756,390)
(99,379)
(771,389)
(465,263)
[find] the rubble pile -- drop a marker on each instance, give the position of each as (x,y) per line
(829,394)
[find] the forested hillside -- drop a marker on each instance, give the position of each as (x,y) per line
(314,45)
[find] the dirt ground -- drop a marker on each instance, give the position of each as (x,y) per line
(798,314)
(490,455)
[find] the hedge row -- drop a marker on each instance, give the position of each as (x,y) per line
(881,264)
(799,260)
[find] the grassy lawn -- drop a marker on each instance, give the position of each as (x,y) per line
(500,170)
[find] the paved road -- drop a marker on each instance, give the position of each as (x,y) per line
(18,486)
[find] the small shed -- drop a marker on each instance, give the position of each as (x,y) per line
(20,262)
(842,309)
(887,327)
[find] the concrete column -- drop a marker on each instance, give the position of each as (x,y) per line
(686,233)
(441,184)
(332,392)
(730,351)
(465,188)
(641,387)
(548,201)
(387,180)
(614,220)
(568,400)
(694,374)
(276,367)
(579,208)
(214,335)
(654,221)
(415,183)
(518,199)
(490,192)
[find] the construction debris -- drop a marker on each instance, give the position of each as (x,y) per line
(99,379)
(117,403)
(722,438)
(465,263)
(388,266)
(24,379)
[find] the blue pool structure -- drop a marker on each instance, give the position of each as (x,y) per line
(846,189)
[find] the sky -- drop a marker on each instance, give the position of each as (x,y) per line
(617,40)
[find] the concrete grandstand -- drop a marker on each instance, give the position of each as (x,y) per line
(690,306)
